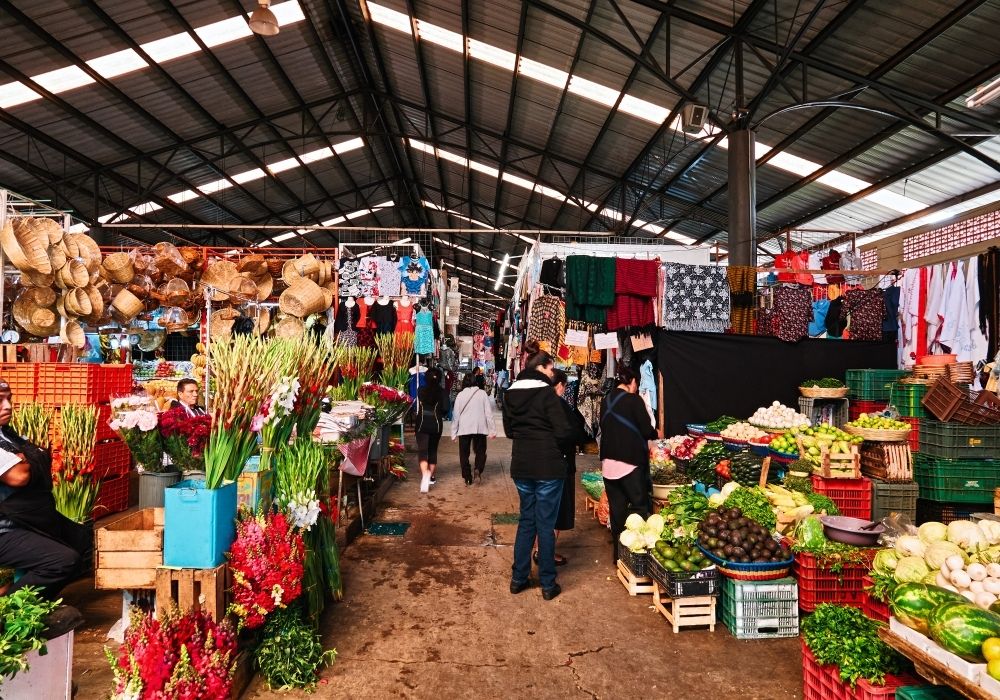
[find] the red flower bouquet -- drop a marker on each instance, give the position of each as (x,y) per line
(177,656)
(389,403)
(267,566)
(185,438)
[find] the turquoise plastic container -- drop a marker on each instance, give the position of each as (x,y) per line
(199,524)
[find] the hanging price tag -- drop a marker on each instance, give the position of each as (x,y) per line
(577,338)
(641,342)
(606,341)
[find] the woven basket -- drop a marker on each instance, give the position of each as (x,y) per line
(73,275)
(823,393)
(33,309)
(242,289)
(878,435)
(218,276)
(96,302)
(31,278)
(76,303)
(175,292)
(79,245)
(289,327)
(253,265)
(26,249)
(750,571)
(126,306)
(57,256)
(261,320)
(302,298)
(169,260)
(72,334)
(49,229)
(265,285)
(119,268)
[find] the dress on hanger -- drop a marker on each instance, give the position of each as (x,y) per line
(404,318)
(347,336)
(423,342)
(384,317)
(647,384)
(363,320)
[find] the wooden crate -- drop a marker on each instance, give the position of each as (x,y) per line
(635,585)
(696,611)
(590,504)
(243,673)
(128,550)
(200,589)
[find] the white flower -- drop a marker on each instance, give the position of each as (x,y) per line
(303,510)
(129,419)
(147,421)
(277,593)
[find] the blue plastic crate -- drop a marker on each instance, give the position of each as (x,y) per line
(199,524)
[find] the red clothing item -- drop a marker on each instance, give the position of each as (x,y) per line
(832,262)
(637,277)
(784,261)
(922,308)
(630,310)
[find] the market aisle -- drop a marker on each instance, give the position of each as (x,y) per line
(428,615)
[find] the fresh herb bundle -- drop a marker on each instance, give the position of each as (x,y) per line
(291,653)
(834,556)
(821,504)
(22,614)
(754,505)
(882,586)
(684,510)
(843,636)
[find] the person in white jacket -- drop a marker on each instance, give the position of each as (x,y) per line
(471,424)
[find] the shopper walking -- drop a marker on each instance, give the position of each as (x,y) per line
(471,424)
(626,428)
(566,519)
(431,409)
(536,423)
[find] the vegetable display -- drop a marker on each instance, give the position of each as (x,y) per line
(844,636)
(679,558)
(742,431)
(22,614)
(752,504)
(292,652)
(702,466)
(872,421)
(912,603)
(684,510)
(732,536)
(824,383)
(720,424)
(640,535)
(962,629)
(779,416)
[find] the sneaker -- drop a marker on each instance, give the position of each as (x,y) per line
(550,593)
(433,481)
(479,477)
(468,482)
(425,483)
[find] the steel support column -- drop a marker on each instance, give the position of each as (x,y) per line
(742,198)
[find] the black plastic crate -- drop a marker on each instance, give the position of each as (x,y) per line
(637,563)
(686,583)
(894,498)
(937,511)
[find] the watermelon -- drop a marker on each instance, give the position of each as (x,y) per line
(911,603)
(962,629)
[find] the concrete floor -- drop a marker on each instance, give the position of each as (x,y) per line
(428,615)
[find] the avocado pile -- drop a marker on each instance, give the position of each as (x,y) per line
(680,558)
(731,536)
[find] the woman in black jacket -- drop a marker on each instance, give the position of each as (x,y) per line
(567,506)
(536,423)
(626,429)
(431,410)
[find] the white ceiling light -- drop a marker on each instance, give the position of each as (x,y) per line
(263,21)
(501,272)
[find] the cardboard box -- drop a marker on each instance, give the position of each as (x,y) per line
(253,489)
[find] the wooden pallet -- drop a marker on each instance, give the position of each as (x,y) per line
(200,589)
(696,611)
(635,585)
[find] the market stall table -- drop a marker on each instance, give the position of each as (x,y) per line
(932,669)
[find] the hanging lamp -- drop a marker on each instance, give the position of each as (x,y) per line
(263,21)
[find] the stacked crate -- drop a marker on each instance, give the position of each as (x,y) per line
(761,609)
(958,467)
(906,398)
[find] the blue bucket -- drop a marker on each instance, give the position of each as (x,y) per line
(199,524)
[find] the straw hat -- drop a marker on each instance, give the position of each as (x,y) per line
(119,268)
(72,334)
(125,306)
(79,245)
(302,298)
(254,265)
(289,327)
(218,275)
(26,245)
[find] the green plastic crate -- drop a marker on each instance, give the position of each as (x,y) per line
(906,398)
(959,441)
(761,610)
(872,384)
(956,480)
(893,498)
(927,692)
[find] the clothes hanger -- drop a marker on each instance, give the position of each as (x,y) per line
(384,300)
(350,302)
(404,300)
(369,300)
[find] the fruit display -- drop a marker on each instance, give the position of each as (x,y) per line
(991,652)
(963,628)
(742,431)
(744,468)
(729,535)
(790,507)
(777,416)
(873,421)
(720,424)
(824,383)
(835,440)
(684,447)
(912,603)
(680,557)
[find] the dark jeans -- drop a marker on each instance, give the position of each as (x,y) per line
(46,563)
(539,507)
(477,443)
(427,447)
(627,495)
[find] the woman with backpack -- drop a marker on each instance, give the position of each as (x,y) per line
(626,429)
(431,410)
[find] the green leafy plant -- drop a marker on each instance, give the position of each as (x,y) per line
(23,614)
(834,556)
(754,505)
(291,653)
(843,636)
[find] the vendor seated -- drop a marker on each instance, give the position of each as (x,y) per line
(45,547)
(187,398)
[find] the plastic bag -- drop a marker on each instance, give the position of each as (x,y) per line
(809,532)
(593,484)
(896,525)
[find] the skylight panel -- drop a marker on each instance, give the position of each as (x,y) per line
(171,47)
(440,36)
(389,17)
(224,31)
(248,176)
(593,91)
(13,94)
(284,236)
(643,109)
(63,79)
(114,64)
(493,55)
(543,73)
(348,146)
(183,196)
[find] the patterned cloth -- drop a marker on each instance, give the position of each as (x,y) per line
(635,287)
(590,288)
(423,343)
(589,397)
(368,274)
(389,278)
(865,308)
(792,313)
(547,323)
(696,298)
(349,281)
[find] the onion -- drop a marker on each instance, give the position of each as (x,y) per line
(977,572)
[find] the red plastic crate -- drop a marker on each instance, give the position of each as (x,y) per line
(104,431)
(914,424)
(852,496)
(111,459)
(823,683)
(60,383)
(856,408)
(819,585)
(112,496)
(22,378)
(873,609)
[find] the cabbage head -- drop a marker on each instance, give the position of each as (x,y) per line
(635,522)
(965,534)
(911,570)
(885,561)
(937,552)
(932,532)
(655,523)
(630,539)
(910,546)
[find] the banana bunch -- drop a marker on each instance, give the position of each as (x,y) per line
(199,362)
(789,506)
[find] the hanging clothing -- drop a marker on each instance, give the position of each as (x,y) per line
(635,287)
(909,311)
(552,274)
(832,262)
(696,298)
(368,274)
(415,274)
(989,299)
(384,317)
(647,385)
(792,313)
(346,335)
(817,327)
(836,322)
(589,397)
(890,320)
(590,288)
(348,280)
(404,318)
(389,278)
(423,342)
(547,322)
(977,339)
(742,293)
(932,314)
(363,321)
(865,309)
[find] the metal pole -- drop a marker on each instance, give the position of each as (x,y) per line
(742,198)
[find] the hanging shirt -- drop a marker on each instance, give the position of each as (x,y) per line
(977,339)
(935,299)
(415,272)
(389,279)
